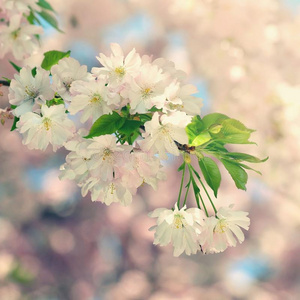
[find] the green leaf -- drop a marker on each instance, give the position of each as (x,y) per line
(130,126)
(234,132)
(145,117)
(194,128)
(106,124)
(44,4)
(248,168)
(33,71)
(200,139)
(51,58)
(55,101)
(211,173)
(50,19)
(237,173)
(14,125)
(213,119)
(245,157)
(16,67)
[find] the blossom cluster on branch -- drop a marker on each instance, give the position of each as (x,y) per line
(142,111)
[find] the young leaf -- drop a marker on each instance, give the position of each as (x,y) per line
(237,173)
(234,132)
(194,128)
(213,119)
(200,139)
(211,173)
(130,126)
(16,67)
(14,125)
(50,19)
(52,58)
(245,157)
(248,168)
(44,4)
(106,124)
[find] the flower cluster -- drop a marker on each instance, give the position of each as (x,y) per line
(141,112)
(17,32)
(189,230)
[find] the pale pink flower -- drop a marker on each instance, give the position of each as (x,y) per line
(147,89)
(93,99)
(160,138)
(223,230)
(65,73)
(53,127)
(28,92)
(19,38)
(179,227)
(117,68)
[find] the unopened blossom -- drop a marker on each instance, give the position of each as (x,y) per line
(147,89)
(179,227)
(117,68)
(19,38)
(65,73)
(160,138)
(28,92)
(223,230)
(93,99)
(52,127)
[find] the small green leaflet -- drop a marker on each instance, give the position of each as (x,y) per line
(211,173)
(106,124)
(16,67)
(51,58)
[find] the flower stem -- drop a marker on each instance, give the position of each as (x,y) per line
(181,184)
(187,191)
(197,190)
(199,178)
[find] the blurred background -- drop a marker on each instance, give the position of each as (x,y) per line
(244,58)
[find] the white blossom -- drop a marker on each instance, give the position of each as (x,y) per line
(179,227)
(65,73)
(147,89)
(179,98)
(223,230)
(117,68)
(28,92)
(93,98)
(53,127)
(161,138)
(19,38)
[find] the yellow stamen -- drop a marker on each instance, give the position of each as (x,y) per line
(96,99)
(221,226)
(47,123)
(120,71)
(146,92)
(179,221)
